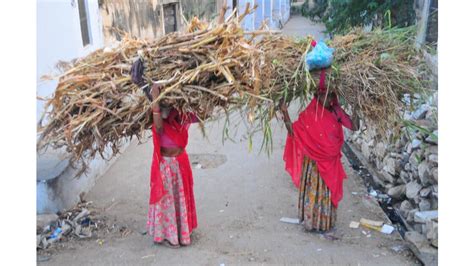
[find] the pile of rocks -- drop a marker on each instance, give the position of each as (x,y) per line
(407,164)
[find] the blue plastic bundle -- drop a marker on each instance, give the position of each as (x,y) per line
(320,57)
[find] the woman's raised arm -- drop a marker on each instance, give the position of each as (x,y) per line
(155,107)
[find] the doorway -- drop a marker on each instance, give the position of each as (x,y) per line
(171,23)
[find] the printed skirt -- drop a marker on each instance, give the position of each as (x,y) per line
(315,208)
(168,218)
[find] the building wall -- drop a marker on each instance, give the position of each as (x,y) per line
(139,18)
(272,11)
(267,11)
(59,38)
(207,9)
(259,18)
(248,23)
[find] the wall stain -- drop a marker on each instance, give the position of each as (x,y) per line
(138,18)
(142,18)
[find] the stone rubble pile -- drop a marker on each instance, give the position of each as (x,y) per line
(407,165)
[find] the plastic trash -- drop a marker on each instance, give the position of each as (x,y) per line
(387,229)
(373,193)
(377,226)
(321,56)
(290,220)
(372,223)
(354,224)
(56,233)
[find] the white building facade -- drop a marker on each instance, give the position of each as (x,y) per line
(275,12)
(65,30)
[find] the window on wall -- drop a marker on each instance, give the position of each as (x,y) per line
(86,38)
(171,23)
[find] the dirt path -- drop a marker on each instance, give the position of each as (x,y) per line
(240,198)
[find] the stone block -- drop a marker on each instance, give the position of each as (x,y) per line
(391,166)
(433,158)
(420,113)
(411,215)
(405,176)
(425,216)
(424,172)
(424,205)
(425,192)
(434,174)
(432,230)
(405,208)
(397,192)
(415,144)
(365,150)
(407,167)
(412,189)
(380,149)
(415,158)
(433,137)
(388,177)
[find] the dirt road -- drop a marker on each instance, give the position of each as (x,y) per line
(240,198)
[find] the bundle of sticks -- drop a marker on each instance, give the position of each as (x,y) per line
(210,67)
(218,67)
(372,71)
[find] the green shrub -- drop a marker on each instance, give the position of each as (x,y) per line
(345,14)
(342,15)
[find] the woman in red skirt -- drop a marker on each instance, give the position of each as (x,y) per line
(172,211)
(313,158)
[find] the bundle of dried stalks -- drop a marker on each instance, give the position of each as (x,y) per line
(373,70)
(207,68)
(215,67)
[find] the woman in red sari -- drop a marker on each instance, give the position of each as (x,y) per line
(313,158)
(172,211)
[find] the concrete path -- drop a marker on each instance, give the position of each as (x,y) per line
(240,199)
(299,26)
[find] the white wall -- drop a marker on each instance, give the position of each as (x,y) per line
(267,12)
(271,10)
(259,13)
(276,14)
(248,23)
(286,9)
(59,38)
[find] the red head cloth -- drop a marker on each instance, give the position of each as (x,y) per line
(313,43)
(319,136)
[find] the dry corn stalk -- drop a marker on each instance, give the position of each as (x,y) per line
(216,67)
(373,70)
(207,68)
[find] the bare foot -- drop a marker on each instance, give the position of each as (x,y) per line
(168,244)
